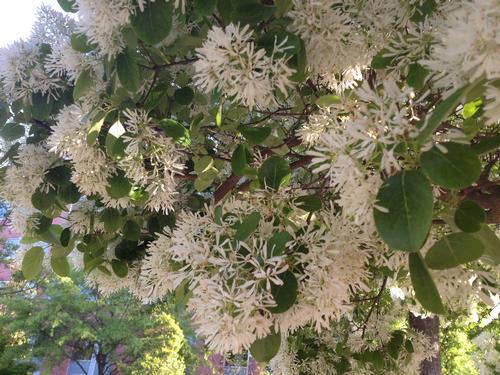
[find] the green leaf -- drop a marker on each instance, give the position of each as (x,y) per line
(469,216)
(119,268)
(205,7)
(309,203)
(290,41)
(425,9)
(131,231)
(112,219)
(416,76)
(453,250)
(154,24)
(273,172)
(491,244)
(423,285)
(255,135)
(4,112)
(41,106)
(43,200)
(381,61)
(82,85)
(184,95)
(90,263)
(59,176)
(395,343)
(68,5)
(11,131)
(11,153)
(65,237)
(32,263)
(69,194)
(408,198)
(247,226)
(60,266)
(440,113)
(263,350)
(457,168)
(115,147)
(94,130)
(80,43)
(118,186)
(487,145)
(174,129)
(282,7)
(44,223)
(128,71)
(327,100)
(284,295)
(251,12)
(239,160)
(277,243)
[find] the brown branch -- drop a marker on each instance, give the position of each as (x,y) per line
(233,180)
(374,304)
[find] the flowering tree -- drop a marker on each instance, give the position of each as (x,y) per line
(302,174)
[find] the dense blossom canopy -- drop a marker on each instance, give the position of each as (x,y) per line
(302,174)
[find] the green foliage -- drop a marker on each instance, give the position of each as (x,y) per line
(423,284)
(453,250)
(263,350)
(405,218)
(60,318)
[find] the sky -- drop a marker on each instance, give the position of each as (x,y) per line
(17,17)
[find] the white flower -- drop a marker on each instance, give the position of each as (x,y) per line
(230,61)
(23,179)
(103,22)
(83,215)
(157,275)
(164,160)
(22,73)
(467,44)
(91,168)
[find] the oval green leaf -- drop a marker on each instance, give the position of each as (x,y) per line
(459,167)
(273,172)
(128,71)
(263,350)
(154,23)
(32,263)
(423,285)
(284,295)
(119,268)
(469,216)
(60,266)
(247,226)
(407,198)
(453,250)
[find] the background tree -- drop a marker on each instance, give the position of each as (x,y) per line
(65,319)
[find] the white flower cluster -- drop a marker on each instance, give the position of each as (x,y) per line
(231,62)
(341,39)
(91,169)
(349,136)
(232,281)
(22,72)
(467,44)
(488,358)
(102,21)
(151,160)
(24,178)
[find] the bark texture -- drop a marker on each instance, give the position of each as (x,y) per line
(430,328)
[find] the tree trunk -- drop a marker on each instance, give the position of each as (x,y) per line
(101,363)
(430,328)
